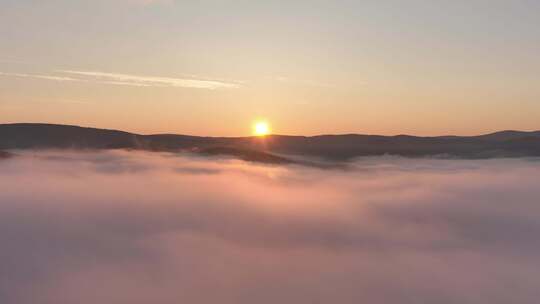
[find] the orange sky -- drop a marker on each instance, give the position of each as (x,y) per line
(308,67)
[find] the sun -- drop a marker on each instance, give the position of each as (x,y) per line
(261,128)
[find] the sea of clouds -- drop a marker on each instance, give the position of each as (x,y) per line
(134,227)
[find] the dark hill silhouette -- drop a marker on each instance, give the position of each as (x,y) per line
(271,149)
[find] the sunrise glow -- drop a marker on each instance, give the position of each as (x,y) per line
(261,128)
(291,152)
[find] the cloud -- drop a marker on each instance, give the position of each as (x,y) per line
(126,79)
(38,76)
(130,80)
(133,227)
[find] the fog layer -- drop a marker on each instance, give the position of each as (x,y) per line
(131,227)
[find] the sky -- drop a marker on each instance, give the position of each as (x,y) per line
(169,228)
(423,67)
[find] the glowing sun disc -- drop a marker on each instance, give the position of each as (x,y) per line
(261,128)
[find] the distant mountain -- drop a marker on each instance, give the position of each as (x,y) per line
(274,148)
(509,135)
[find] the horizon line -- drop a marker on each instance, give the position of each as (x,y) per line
(269,135)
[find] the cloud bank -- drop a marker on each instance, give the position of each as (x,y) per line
(129,227)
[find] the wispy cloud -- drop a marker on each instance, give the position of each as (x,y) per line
(130,80)
(137,80)
(38,76)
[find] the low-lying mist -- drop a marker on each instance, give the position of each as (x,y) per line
(133,227)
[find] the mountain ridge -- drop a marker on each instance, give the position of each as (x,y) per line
(535,132)
(274,148)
